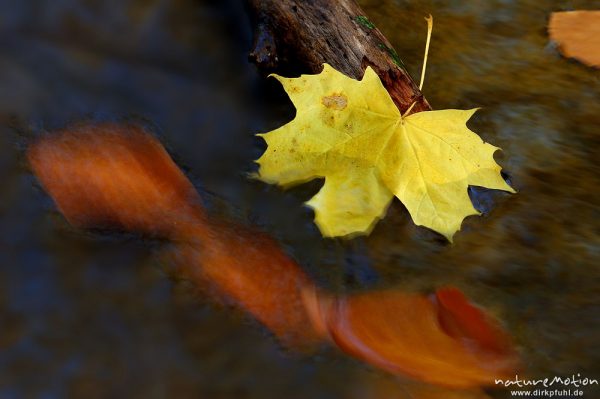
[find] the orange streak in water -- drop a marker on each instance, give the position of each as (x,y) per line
(401,333)
(119,177)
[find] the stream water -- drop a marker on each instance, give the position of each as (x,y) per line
(88,315)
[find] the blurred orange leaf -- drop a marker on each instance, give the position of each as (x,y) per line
(407,333)
(577,34)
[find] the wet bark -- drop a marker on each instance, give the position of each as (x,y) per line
(299,36)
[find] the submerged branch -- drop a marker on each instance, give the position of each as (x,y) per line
(292,36)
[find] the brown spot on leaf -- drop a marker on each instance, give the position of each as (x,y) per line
(335,101)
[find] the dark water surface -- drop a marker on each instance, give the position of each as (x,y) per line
(83,315)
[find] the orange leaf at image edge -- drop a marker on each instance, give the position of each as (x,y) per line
(577,34)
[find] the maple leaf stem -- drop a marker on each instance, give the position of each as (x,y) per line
(409,109)
(429,29)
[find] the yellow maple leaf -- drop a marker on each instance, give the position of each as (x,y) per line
(352,134)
